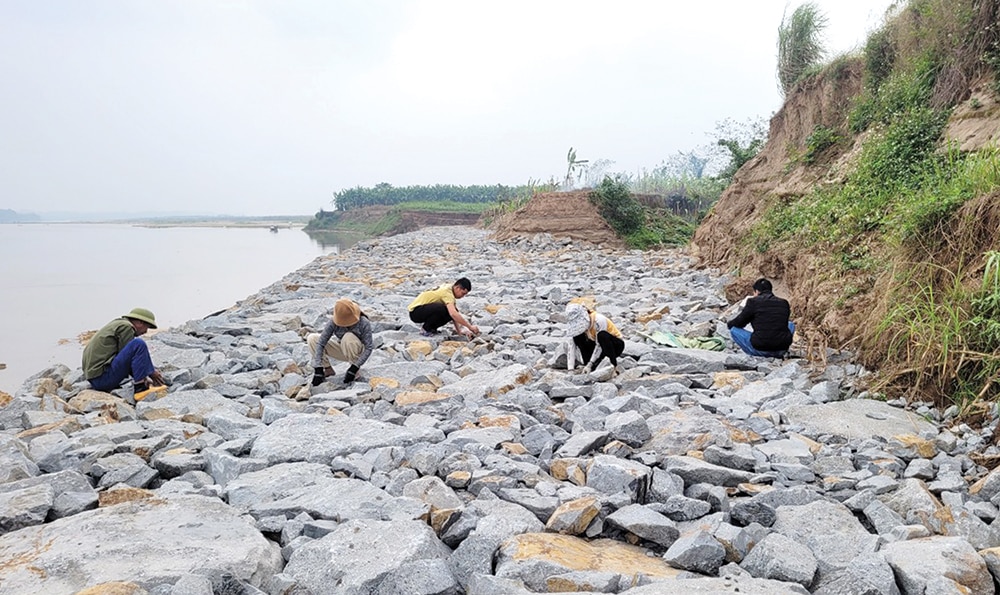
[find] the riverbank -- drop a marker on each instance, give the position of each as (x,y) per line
(485,466)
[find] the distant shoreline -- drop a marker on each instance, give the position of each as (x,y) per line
(291,222)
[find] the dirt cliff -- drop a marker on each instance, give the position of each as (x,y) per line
(829,313)
(562,214)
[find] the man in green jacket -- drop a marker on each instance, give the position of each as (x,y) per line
(116,352)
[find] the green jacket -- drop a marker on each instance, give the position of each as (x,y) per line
(105,345)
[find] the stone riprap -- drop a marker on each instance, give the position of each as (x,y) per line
(484,466)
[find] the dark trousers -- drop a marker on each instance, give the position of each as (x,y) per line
(611,347)
(431,316)
(133,360)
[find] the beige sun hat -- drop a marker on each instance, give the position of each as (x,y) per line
(143,315)
(346,313)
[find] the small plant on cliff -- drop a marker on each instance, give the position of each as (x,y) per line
(615,203)
(799,44)
(821,139)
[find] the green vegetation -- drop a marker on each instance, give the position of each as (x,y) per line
(912,227)
(821,139)
(641,226)
(615,203)
(740,142)
(390,220)
(800,48)
(387,195)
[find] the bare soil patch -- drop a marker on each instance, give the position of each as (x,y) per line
(561,214)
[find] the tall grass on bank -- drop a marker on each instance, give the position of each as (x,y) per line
(800,45)
(947,334)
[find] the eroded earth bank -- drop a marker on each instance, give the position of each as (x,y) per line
(485,466)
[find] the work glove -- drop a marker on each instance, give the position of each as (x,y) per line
(352,372)
(318,376)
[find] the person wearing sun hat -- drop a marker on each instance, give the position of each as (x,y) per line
(594,335)
(116,352)
(347,337)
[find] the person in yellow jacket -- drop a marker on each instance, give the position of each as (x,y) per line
(594,335)
(433,308)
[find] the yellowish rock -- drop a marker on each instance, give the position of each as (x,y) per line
(442,518)
(420,347)
(91,400)
(514,448)
(753,488)
(924,449)
(458,479)
(492,308)
(66,426)
(121,495)
(114,588)
(499,421)
(416,397)
(378,381)
(575,554)
(573,517)
(728,379)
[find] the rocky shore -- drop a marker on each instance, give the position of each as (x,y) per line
(484,466)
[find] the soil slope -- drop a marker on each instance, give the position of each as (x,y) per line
(561,214)
(819,292)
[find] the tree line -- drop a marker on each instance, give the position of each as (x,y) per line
(387,194)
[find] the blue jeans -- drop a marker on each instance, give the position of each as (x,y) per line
(133,360)
(742,338)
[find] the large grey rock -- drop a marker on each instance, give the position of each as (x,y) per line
(829,530)
(319,438)
(858,419)
(371,556)
(25,507)
(938,565)
(149,542)
(693,470)
(698,552)
(780,558)
(645,523)
(868,573)
(474,387)
(188,402)
(719,586)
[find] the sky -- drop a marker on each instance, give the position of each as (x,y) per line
(268,107)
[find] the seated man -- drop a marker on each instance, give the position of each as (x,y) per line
(347,338)
(768,314)
(116,352)
(435,307)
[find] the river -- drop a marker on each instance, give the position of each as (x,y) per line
(60,280)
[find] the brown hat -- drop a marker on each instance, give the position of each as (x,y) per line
(346,313)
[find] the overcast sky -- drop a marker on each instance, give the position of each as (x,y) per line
(267,107)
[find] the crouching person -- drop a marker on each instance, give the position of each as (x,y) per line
(347,338)
(116,352)
(594,335)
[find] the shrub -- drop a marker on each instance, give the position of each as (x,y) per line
(615,203)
